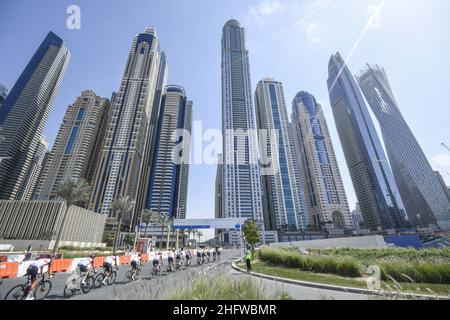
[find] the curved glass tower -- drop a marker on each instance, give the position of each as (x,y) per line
(322,182)
(25,111)
(374,184)
(424,198)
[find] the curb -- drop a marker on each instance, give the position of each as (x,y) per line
(333,287)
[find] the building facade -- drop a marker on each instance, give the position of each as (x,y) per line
(77,145)
(283,199)
(32,177)
(170,169)
(25,111)
(37,223)
(442,183)
(123,153)
(322,183)
(3,94)
(419,188)
(371,175)
(241,172)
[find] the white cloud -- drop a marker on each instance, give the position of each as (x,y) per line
(265,9)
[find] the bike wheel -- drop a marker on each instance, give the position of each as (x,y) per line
(88,285)
(98,281)
(69,291)
(42,290)
(111,278)
(16,293)
(129,276)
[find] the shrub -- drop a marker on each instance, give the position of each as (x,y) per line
(344,266)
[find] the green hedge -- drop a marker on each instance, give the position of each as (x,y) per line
(406,267)
(344,266)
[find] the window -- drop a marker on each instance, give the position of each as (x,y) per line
(81,114)
(73,136)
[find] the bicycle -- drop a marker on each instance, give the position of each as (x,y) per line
(155,270)
(76,284)
(40,291)
(133,275)
(98,281)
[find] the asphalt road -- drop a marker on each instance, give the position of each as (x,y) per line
(162,286)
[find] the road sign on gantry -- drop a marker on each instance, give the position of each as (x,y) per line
(226,223)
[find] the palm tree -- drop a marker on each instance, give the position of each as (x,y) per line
(199,234)
(72,191)
(123,210)
(163,219)
(148,216)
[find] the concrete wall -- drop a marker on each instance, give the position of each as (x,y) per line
(48,245)
(40,221)
(350,242)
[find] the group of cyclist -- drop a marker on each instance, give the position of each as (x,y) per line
(177,259)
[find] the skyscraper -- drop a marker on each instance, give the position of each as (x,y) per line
(170,169)
(3,94)
(372,178)
(25,111)
(322,182)
(283,199)
(123,153)
(31,180)
(418,186)
(442,183)
(241,172)
(77,145)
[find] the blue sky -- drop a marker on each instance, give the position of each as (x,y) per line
(290,41)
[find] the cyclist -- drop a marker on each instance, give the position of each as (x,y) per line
(218,252)
(107,266)
(178,258)
(85,265)
(188,257)
(170,260)
(156,261)
(34,269)
(135,263)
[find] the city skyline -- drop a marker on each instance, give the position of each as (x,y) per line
(267,71)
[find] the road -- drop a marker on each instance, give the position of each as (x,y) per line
(163,286)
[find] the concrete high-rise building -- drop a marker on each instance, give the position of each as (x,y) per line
(25,111)
(122,158)
(32,177)
(357,216)
(141,200)
(170,169)
(283,198)
(442,183)
(322,182)
(374,184)
(77,145)
(241,172)
(419,188)
(3,94)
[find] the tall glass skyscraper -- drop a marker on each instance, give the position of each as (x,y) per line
(374,184)
(322,182)
(421,191)
(25,111)
(170,169)
(77,145)
(283,198)
(3,94)
(123,154)
(241,174)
